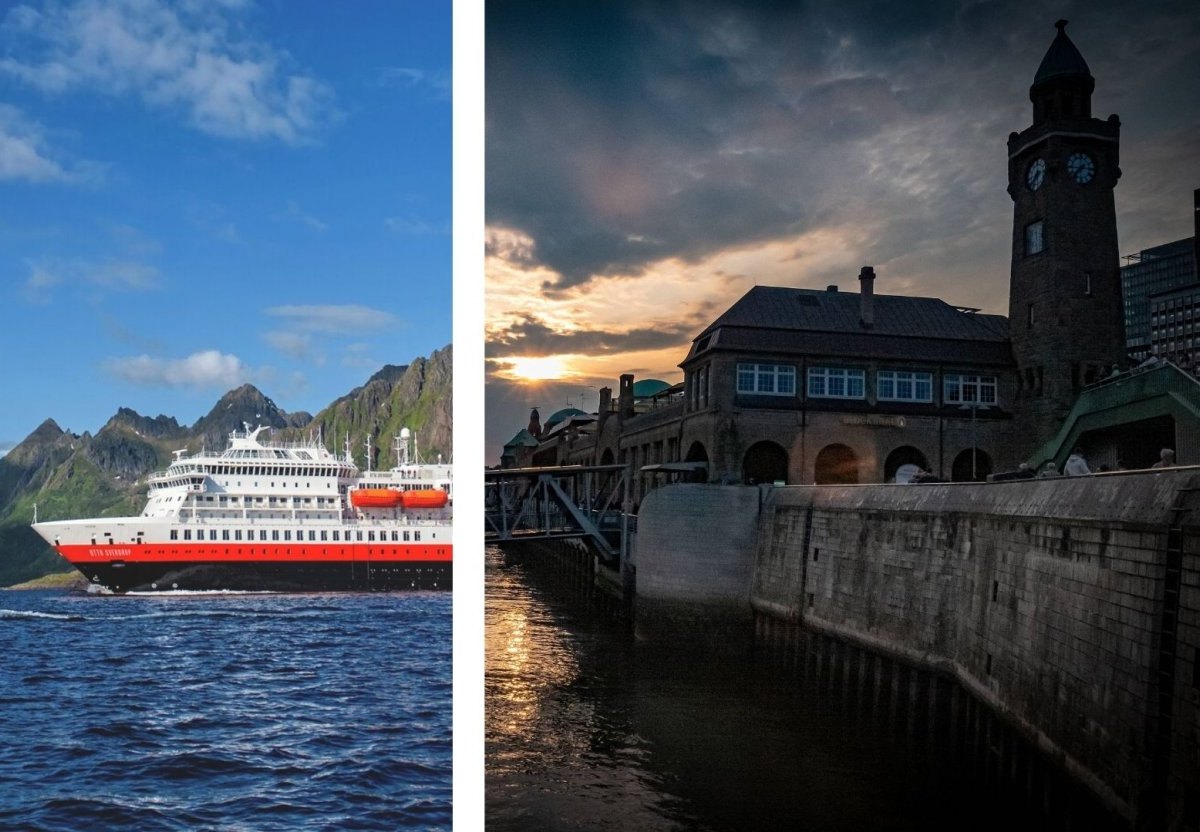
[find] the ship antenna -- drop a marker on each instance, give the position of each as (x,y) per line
(35,514)
(368,453)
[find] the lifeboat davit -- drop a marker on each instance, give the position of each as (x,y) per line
(375,498)
(425,498)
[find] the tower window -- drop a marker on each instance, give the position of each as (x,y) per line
(1034,239)
(1029,318)
(1087,284)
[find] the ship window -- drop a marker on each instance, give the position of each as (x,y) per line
(358,535)
(237,534)
(324,535)
(224,534)
(174,534)
(262,534)
(370,535)
(212,534)
(287,534)
(416,535)
(406,537)
(312,535)
(336,535)
(275,534)
(187,534)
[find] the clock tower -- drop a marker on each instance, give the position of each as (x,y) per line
(1065,309)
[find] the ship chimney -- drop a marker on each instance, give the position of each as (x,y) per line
(866,279)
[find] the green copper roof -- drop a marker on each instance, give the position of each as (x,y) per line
(1129,397)
(1062,59)
(648,387)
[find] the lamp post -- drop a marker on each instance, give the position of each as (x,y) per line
(973,407)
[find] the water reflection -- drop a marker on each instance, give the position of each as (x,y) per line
(587,729)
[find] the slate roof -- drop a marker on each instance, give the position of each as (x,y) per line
(1062,59)
(810,310)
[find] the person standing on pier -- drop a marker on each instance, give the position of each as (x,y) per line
(1076,465)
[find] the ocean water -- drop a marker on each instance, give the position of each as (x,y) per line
(222,712)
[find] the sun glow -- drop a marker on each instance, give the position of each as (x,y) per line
(536,368)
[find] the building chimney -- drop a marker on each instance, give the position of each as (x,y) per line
(625,396)
(605,408)
(832,287)
(866,279)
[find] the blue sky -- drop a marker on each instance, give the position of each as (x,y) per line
(202,193)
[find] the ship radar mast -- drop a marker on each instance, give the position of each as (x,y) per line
(368,444)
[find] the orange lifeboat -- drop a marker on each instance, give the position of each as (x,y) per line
(425,498)
(374,498)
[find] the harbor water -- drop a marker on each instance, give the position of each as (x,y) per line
(590,728)
(211,711)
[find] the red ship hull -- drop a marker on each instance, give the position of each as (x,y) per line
(297,567)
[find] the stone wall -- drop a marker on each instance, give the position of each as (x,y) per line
(694,559)
(1071,607)
(1047,599)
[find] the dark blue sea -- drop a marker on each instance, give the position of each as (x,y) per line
(219,712)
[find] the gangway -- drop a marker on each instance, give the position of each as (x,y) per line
(586,502)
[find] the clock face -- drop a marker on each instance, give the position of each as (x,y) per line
(1081,168)
(1036,174)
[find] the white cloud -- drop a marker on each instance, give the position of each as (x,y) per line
(435,82)
(25,154)
(187,58)
(209,368)
(338,320)
(295,213)
(123,274)
(298,345)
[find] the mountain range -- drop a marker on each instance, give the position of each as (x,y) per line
(71,475)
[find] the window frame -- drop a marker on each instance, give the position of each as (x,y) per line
(846,375)
(915,378)
(973,380)
(758,373)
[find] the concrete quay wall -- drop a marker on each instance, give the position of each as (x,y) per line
(694,558)
(1071,607)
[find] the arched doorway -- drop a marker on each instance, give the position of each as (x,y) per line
(961,471)
(697,453)
(606,458)
(764,462)
(836,465)
(902,456)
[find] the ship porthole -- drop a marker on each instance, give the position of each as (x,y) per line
(154,586)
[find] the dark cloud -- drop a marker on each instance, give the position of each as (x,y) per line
(531,336)
(623,133)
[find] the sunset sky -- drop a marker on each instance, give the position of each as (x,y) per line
(648,163)
(195,194)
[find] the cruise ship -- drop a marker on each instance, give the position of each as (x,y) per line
(276,517)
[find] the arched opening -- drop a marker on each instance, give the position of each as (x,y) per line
(836,465)
(697,453)
(765,462)
(972,465)
(902,461)
(606,458)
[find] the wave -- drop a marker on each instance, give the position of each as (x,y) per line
(35,614)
